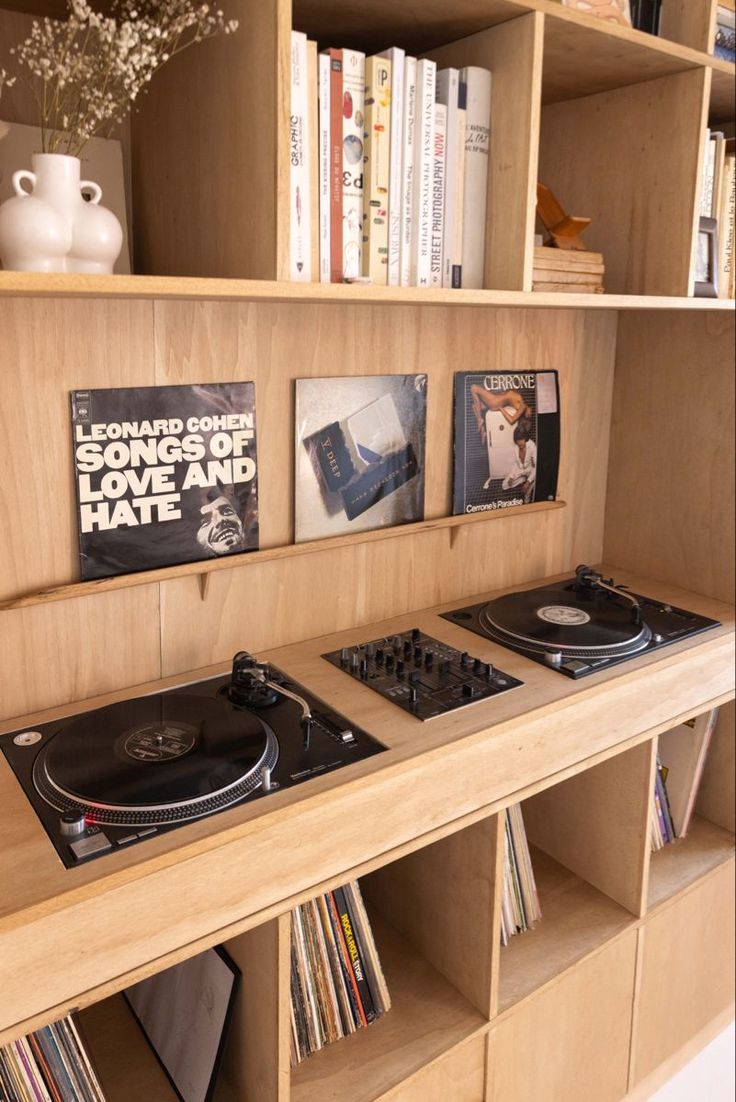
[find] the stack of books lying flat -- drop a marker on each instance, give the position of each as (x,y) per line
(570,271)
(337,982)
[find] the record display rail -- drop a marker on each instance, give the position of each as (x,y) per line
(203,568)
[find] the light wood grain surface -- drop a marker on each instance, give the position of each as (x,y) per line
(125,910)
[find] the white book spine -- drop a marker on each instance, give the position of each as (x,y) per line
(300,239)
(457,270)
(423,163)
(397,58)
(436,248)
(407,169)
(353,78)
(448,82)
(324,168)
(376,169)
(477,143)
(709,160)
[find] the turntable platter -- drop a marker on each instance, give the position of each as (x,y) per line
(557,618)
(160,758)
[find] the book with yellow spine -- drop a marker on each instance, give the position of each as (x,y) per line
(377,157)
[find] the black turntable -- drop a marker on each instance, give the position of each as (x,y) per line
(581,625)
(105,779)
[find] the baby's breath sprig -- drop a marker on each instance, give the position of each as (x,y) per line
(86,73)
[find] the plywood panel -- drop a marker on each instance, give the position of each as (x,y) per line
(687,970)
(256,1055)
(206,161)
(670,502)
(688,22)
(441,899)
(513,53)
(47,349)
(570,1041)
(628,161)
(67,652)
(716,797)
(278,602)
(596,824)
(460,1076)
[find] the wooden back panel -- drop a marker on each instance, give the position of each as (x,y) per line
(106,642)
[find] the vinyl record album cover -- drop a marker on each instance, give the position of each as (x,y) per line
(507,439)
(164,475)
(359,453)
(184,1013)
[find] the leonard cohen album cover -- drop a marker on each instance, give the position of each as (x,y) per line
(507,439)
(359,453)
(164,475)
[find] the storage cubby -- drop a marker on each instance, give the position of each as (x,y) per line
(709,841)
(587,841)
(426,911)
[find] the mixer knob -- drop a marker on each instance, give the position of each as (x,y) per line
(416,635)
(379,656)
(488,670)
(407,649)
(477,665)
(444,666)
(399,668)
(417,655)
(464,659)
(468,692)
(354,660)
(389,663)
(344,656)
(428,659)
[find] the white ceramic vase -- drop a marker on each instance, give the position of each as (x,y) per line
(53,228)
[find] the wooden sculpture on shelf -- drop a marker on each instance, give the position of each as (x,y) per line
(613,11)
(563,229)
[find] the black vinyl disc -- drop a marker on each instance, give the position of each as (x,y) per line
(558,618)
(155,759)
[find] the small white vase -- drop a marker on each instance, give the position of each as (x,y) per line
(54,228)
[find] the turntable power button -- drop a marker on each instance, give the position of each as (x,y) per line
(72,824)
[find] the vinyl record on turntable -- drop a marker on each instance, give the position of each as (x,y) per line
(161,758)
(556,618)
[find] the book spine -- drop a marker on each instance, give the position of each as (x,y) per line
(397,58)
(353,108)
(475,192)
(407,169)
(726,225)
(706,197)
(354,953)
(44,1068)
(313,145)
(423,162)
(31,1070)
(436,247)
(457,267)
(376,169)
(336,265)
(300,259)
(325,173)
(448,82)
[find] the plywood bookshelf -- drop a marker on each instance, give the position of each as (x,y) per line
(614,119)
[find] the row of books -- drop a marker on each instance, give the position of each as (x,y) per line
(680,763)
(337,982)
(718,201)
(49,1065)
(520,903)
(388,168)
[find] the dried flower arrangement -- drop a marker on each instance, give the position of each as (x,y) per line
(85,73)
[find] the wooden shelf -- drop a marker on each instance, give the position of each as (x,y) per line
(203,568)
(45,285)
(679,864)
(576,920)
(428,1017)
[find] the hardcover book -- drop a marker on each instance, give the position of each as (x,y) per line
(507,439)
(164,475)
(359,453)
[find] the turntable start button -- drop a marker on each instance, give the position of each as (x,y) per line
(90,846)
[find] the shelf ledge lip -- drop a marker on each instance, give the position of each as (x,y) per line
(67,285)
(202,568)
